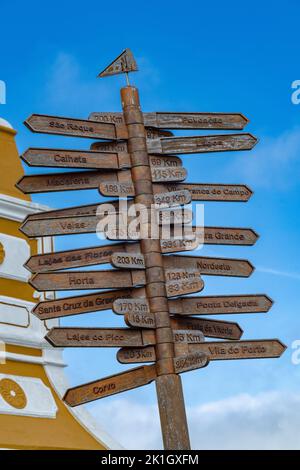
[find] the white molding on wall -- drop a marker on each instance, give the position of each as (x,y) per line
(17,209)
(14,248)
(33,335)
(40,402)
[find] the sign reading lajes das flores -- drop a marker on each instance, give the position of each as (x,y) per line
(134,157)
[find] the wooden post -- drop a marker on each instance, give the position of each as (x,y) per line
(168,384)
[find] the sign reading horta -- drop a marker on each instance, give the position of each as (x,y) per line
(155,289)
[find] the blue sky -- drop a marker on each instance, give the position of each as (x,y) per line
(226,57)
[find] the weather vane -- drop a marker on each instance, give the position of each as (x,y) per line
(124,63)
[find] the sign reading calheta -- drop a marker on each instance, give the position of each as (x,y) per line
(134,159)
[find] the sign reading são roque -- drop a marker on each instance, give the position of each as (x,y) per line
(134,159)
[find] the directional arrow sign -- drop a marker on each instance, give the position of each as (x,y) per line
(44,124)
(45,227)
(220,304)
(202,144)
(99,337)
(210,266)
(190,362)
(208,192)
(59,226)
(226,235)
(253,349)
(210,328)
(111,385)
(114,337)
(61,158)
(181,120)
(92,180)
(69,181)
(72,258)
(81,280)
(79,304)
(198,191)
(214,350)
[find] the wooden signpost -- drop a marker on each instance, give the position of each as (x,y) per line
(134,155)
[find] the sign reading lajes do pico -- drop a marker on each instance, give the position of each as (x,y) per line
(133,157)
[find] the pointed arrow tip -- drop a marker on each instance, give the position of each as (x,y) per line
(270,300)
(284,346)
(48,337)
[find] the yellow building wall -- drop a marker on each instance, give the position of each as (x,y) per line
(19,432)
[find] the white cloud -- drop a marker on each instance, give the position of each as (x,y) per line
(73,89)
(268,420)
(273,163)
(277,272)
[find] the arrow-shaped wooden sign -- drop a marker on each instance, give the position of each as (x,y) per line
(62,158)
(111,385)
(91,180)
(209,192)
(114,337)
(58,260)
(202,144)
(210,328)
(69,181)
(57,125)
(210,266)
(226,235)
(217,305)
(252,349)
(59,226)
(80,304)
(70,225)
(81,280)
(99,337)
(93,160)
(214,350)
(206,235)
(230,121)
(198,191)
